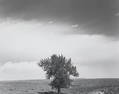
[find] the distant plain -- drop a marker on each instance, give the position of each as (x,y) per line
(79,86)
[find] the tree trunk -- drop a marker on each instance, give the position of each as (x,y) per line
(58,90)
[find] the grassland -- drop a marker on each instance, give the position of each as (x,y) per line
(79,86)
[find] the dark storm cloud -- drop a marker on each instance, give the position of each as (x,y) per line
(34,9)
(93,16)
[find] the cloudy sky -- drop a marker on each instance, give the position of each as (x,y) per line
(85,30)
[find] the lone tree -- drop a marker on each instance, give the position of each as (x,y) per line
(59,69)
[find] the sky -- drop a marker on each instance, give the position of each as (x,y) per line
(87,31)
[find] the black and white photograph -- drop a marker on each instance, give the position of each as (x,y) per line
(59,46)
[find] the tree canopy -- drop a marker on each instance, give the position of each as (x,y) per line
(59,69)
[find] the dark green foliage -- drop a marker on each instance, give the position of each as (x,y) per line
(59,69)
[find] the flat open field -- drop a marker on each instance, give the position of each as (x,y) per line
(79,86)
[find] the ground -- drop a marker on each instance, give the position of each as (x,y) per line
(79,86)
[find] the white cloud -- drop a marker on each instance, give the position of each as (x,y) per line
(51,22)
(21,71)
(31,41)
(75,25)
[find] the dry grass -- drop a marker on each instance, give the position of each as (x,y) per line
(80,86)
